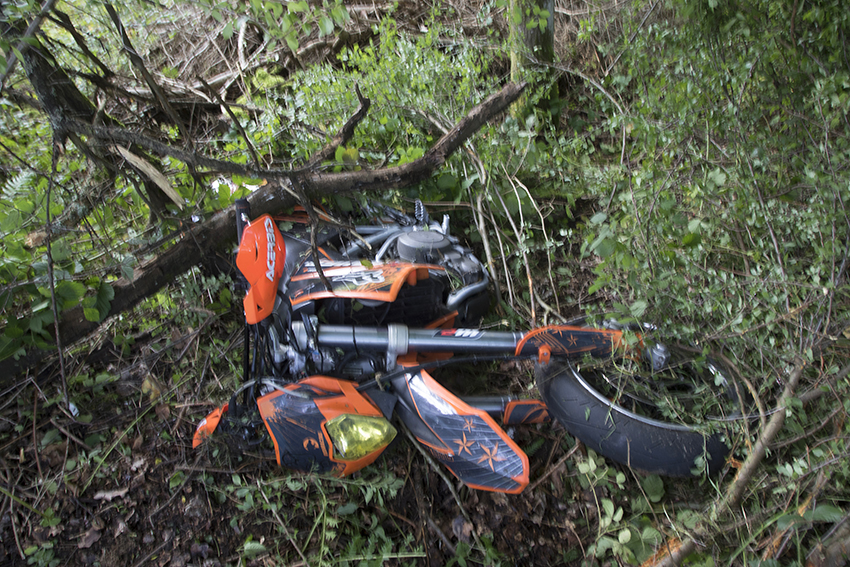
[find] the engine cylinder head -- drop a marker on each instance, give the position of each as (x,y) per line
(423,246)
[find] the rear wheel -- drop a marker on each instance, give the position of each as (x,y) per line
(662,410)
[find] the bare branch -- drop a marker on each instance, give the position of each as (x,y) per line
(140,65)
(345,132)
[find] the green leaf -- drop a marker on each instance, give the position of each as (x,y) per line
(296,7)
(653,485)
(827,513)
(103,299)
(69,293)
(638,308)
(789,520)
(252,549)
(326,26)
(127,264)
(347,509)
(91,314)
(604,247)
(292,42)
(447,181)
(717,177)
(691,240)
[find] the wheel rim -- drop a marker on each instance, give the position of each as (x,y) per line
(687,390)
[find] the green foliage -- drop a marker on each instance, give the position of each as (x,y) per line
(281,22)
(343,526)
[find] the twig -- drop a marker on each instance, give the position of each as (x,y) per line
(548,241)
(753,392)
(236,122)
(156,550)
(441,535)
(553,468)
(179,490)
(520,245)
(282,525)
(70,435)
(51,282)
(34,440)
(345,133)
(14,527)
(485,240)
(139,64)
(62,19)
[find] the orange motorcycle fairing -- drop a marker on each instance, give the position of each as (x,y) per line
(260,259)
(297,419)
(207,426)
(465,439)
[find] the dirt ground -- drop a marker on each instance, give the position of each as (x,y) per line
(127,489)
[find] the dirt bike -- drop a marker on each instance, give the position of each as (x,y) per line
(334,351)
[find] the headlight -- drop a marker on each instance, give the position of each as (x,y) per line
(355,436)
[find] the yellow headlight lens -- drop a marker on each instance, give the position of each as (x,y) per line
(355,436)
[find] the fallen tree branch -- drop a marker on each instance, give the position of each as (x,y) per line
(215,234)
(344,133)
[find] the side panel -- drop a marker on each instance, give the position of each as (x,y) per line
(519,412)
(379,282)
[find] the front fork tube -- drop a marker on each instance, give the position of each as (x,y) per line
(398,340)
